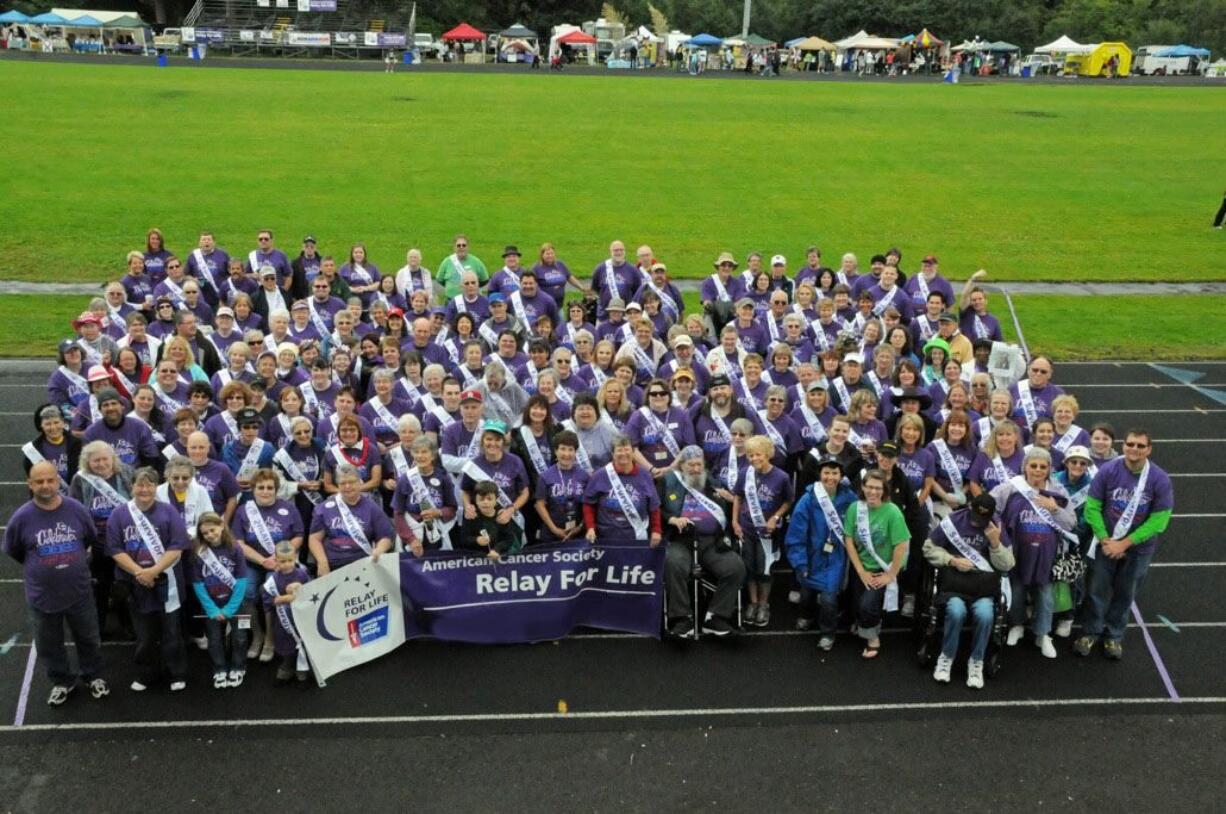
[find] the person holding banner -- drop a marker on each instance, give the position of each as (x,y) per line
(760,501)
(621,504)
(695,524)
(424,500)
(146,538)
(1035,513)
(348,525)
(972,555)
(490,529)
(815,548)
(877,539)
(219,580)
(278,592)
(1129,506)
(559,491)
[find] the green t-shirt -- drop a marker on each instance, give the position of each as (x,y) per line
(888,529)
(449,275)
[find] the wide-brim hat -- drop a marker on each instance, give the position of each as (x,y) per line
(725,257)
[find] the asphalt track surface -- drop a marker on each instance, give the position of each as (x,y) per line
(762,722)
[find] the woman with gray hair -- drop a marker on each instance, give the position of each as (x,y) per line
(101,484)
(504,399)
(349,525)
(424,501)
(1036,516)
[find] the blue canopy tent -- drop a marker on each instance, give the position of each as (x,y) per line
(704,41)
(13,16)
(47,18)
(84,21)
(1183,51)
(792,43)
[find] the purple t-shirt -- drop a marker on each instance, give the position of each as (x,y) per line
(509,473)
(123,538)
(132,440)
(1114,484)
(479,308)
(439,486)
(755,338)
(1035,542)
(648,434)
(628,278)
(339,547)
(281,519)
(219,482)
(611,522)
(539,304)
(283,642)
(709,292)
(273,257)
(984,473)
(973,537)
(1042,398)
(385,431)
(552,279)
(230,558)
(51,546)
(774,489)
(917,466)
(964,457)
(937,284)
(562,492)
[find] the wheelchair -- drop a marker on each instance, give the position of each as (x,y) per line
(930,625)
(702,586)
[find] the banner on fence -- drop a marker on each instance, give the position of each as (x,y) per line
(364,610)
(316,39)
(317,5)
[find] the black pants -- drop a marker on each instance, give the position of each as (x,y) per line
(159,645)
(724,567)
(1221,213)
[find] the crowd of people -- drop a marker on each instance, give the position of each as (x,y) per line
(220,429)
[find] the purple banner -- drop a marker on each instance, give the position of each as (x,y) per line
(542,593)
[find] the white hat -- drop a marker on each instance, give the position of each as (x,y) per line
(857,357)
(1078,451)
(779,260)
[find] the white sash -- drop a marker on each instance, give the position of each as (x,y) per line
(534,449)
(287,429)
(921,282)
(384,414)
(926,329)
(875,381)
(499,401)
(1026,400)
(169,451)
(311,399)
(637,522)
(885,301)
(1065,441)
(834,523)
(168,402)
(101,486)
(533,372)
(92,356)
(457,265)
(251,461)
(598,375)
(517,305)
(477,474)
(855,439)
(1025,490)
(461,307)
(255,522)
(985,429)
(644,362)
(352,527)
(864,533)
(150,540)
(610,279)
(231,422)
(399,460)
(720,289)
(36,457)
(287,624)
(316,319)
(769,554)
(968,551)
(661,428)
(291,468)
(253,260)
(981,330)
(816,430)
(666,300)
(1002,471)
(76,379)
(1124,523)
(213,565)
(205,272)
(95,412)
(772,327)
(430,531)
(946,457)
(116,317)
(772,431)
(585,460)
(707,503)
(489,335)
(819,333)
(840,387)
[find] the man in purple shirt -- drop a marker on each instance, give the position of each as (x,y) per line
(132,440)
(928,281)
(50,536)
(1033,395)
(469,301)
(973,317)
(886,294)
(506,279)
(211,266)
(864,282)
(535,302)
(615,278)
(719,291)
(266,255)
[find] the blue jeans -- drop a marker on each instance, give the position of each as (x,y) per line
(869,612)
(982,611)
(239,637)
(827,603)
(82,619)
(1111,587)
(1040,623)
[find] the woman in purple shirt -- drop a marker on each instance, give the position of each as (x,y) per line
(155,256)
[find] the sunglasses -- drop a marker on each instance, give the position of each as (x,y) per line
(1135,445)
(777,400)
(658,394)
(173,265)
(264,239)
(461,245)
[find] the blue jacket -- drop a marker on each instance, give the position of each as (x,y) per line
(807,536)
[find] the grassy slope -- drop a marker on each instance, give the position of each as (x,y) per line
(1184,327)
(1104,183)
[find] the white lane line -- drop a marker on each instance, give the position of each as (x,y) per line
(1205,411)
(1205,514)
(1197,474)
(1187,565)
(627,714)
(1147,385)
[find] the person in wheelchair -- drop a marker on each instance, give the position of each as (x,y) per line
(970,556)
(815,548)
(696,521)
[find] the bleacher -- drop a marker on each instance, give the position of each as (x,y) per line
(285,26)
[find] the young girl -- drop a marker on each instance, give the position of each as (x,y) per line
(278,592)
(219,578)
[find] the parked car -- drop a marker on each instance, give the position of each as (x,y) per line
(426,45)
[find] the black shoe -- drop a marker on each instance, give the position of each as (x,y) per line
(717,626)
(681,627)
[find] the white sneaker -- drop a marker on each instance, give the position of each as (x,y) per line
(219,681)
(267,652)
(1015,635)
(137,686)
(178,686)
(944,666)
(253,649)
(201,642)
(1064,628)
(1046,647)
(974,674)
(794,597)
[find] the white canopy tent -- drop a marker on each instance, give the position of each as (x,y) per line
(1064,45)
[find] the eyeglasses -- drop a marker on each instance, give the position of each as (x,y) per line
(265,239)
(776,400)
(658,394)
(173,265)
(461,245)
(1135,445)
(1043,370)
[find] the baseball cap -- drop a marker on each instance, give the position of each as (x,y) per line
(779,260)
(108,394)
(744,302)
(300,305)
(309,239)
(947,316)
(1078,451)
(683,339)
(634,306)
(497,297)
(67,345)
(720,380)
(829,461)
(930,258)
(818,384)
(888,449)
(96,373)
(981,508)
(658,266)
(494,425)
(395,311)
(684,373)
(247,417)
(471,395)
(268,271)
(225,311)
(854,358)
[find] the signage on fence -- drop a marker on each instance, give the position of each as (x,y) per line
(317,5)
(315,39)
(391,40)
(246,36)
(345,38)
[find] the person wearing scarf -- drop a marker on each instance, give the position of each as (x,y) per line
(354,449)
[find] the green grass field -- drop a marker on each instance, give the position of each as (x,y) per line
(1041,182)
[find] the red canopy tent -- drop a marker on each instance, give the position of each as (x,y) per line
(577,38)
(463,33)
